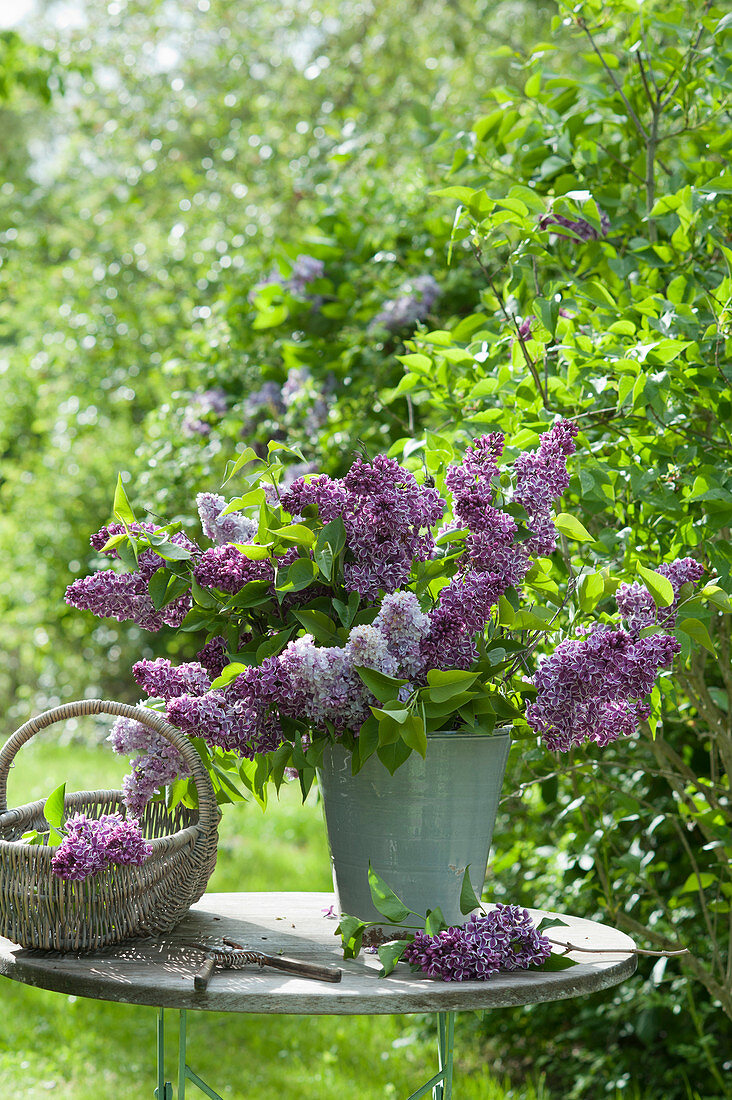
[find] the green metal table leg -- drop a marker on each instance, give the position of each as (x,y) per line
(182,1044)
(445,1046)
(441,1083)
(164,1091)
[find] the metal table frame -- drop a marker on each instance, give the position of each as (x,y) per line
(159,973)
(440,1082)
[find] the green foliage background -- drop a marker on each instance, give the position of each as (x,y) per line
(160,161)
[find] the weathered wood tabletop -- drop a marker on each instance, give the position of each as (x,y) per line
(160,972)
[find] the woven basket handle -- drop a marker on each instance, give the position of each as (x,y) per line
(208,812)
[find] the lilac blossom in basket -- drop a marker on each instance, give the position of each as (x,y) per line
(504,939)
(93,844)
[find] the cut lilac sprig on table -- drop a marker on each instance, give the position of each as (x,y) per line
(503,938)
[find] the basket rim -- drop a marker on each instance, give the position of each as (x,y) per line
(160,844)
(208,809)
(177,838)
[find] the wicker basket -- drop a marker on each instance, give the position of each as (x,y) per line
(40,910)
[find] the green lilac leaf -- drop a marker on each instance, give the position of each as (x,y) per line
(469,900)
(384,899)
(53,810)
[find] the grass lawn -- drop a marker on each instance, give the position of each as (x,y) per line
(77,1049)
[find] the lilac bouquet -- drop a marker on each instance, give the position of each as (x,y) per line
(372,609)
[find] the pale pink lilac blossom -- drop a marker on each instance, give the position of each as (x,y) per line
(221,529)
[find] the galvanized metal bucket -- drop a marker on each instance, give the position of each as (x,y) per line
(419,828)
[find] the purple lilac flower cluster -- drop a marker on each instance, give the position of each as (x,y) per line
(226,568)
(637,606)
(504,939)
(387,517)
(413,303)
(542,477)
(243,716)
(304,681)
(595,688)
(156,764)
(160,677)
(298,397)
(300,393)
(268,396)
(101,537)
(493,562)
(124,596)
(91,845)
(159,763)
(214,657)
(305,270)
(210,403)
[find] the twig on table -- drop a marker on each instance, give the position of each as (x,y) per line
(617,950)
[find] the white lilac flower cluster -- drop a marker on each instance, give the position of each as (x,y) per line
(219,528)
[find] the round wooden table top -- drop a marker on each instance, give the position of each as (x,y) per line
(160,971)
